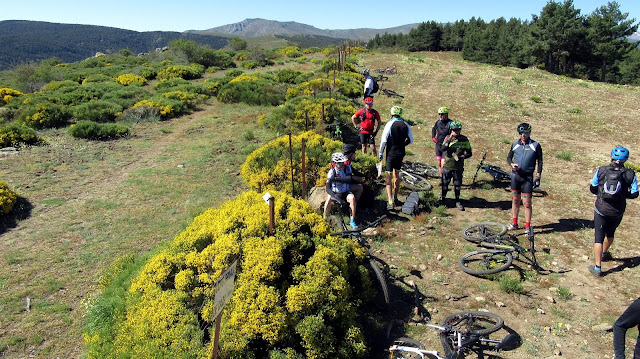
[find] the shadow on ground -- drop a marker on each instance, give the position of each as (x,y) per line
(21,211)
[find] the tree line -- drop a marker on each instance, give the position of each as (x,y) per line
(560,40)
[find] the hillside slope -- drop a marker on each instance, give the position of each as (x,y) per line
(86,204)
(25,41)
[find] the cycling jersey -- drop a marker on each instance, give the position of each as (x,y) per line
(368,87)
(461,147)
(440,130)
(368,124)
(525,155)
(395,137)
(338,179)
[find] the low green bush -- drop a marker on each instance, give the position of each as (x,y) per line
(43,115)
(15,135)
(98,110)
(253,89)
(167,107)
(98,131)
(181,71)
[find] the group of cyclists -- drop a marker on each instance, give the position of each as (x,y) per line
(612,184)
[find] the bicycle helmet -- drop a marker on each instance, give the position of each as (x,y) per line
(396,111)
(365,72)
(455,125)
(524,127)
(368,100)
(620,154)
(338,157)
(348,148)
(443,109)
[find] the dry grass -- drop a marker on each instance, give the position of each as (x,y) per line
(88,203)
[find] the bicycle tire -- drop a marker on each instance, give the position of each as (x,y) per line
(415,182)
(483,323)
(485,262)
(423,169)
(502,174)
(484,231)
(381,279)
(409,342)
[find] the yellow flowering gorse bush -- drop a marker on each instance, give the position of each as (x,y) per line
(7,95)
(269,167)
(128,79)
(8,198)
(291,287)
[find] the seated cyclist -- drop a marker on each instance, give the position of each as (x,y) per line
(339,179)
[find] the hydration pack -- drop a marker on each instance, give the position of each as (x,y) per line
(376,87)
(613,186)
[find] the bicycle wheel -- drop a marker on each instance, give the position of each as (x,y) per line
(474,323)
(414,182)
(407,353)
(381,279)
(409,342)
(485,261)
(424,169)
(484,231)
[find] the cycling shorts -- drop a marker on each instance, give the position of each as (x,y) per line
(521,182)
(393,163)
(366,138)
(605,226)
(439,151)
(448,174)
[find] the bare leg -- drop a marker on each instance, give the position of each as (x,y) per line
(352,204)
(389,193)
(597,253)
(396,183)
(515,205)
(373,149)
(526,201)
(607,243)
(327,207)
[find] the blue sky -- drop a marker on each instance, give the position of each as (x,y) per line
(163,15)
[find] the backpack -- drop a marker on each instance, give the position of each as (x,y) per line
(370,125)
(376,87)
(613,184)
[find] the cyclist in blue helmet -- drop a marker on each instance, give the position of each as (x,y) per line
(612,184)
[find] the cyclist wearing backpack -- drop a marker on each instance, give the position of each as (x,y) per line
(456,148)
(612,185)
(369,124)
(395,137)
(370,85)
(522,158)
(439,131)
(338,188)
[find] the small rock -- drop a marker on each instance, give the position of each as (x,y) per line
(480,299)
(180,166)
(555,263)
(568,326)
(557,352)
(439,257)
(601,327)
(547,329)
(585,258)
(553,289)
(500,305)
(434,310)
(422,267)
(393,266)
(550,299)
(540,311)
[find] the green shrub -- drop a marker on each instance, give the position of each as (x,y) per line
(130,79)
(44,115)
(575,110)
(98,110)
(565,155)
(253,89)
(98,131)
(140,114)
(536,99)
(517,80)
(18,135)
(97,78)
(8,198)
(126,96)
(73,96)
(233,73)
(297,294)
(148,73)
(564,293)
(7,95)
(180,71)
(169,83)
(168,108)
(302,111)
(510,285)
(287,76)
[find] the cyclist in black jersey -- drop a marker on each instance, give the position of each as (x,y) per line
(612,184)
(439,131)
(395,137)
(522,158)
(629,319)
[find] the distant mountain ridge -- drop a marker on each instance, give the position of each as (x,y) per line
(23,41)
(261,27)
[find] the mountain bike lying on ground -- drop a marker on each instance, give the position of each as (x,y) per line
(414,176)
(421,169)
(357,236)
(459,333)
(335,130)
(501,250)
(499,174)
(381,78)
(391,93)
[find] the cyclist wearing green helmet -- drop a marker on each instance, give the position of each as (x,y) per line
(522,158)
(395,137)
(456,148)
(439,131)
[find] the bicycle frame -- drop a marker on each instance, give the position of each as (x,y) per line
(512,246)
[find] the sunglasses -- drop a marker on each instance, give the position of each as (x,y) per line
(524,132)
